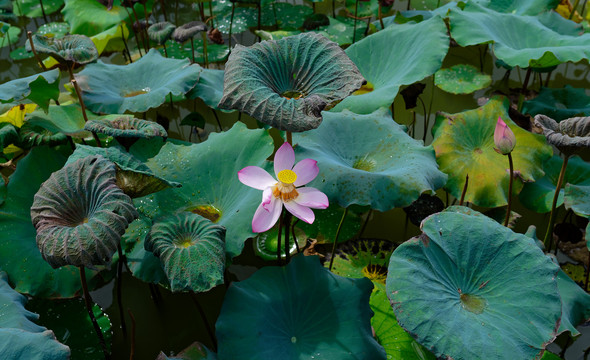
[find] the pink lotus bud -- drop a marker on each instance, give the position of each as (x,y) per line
(504,138)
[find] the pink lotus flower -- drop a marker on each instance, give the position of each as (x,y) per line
(286,191)
(504,138)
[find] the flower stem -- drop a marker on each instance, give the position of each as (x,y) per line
(287,219)
(464,189)
(79,93)
(119,289)
(369,213)
(295,237)
(279,237)
(356,6)
(290,138)
(336,238)
(509,189)
(193,49)
(204,318)
(125,43)
(571,13)
(30,36)
(88,303)
(132,353)
(217,119)
(548,240)
(206,57)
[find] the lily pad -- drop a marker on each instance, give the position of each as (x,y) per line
(559,104)
(398,55)
(215,52)
(369,160)
(54,29)
(535,46)
(32,8)
(11,37)
(287,83)
(461,79)
(288,17)
(538,195)
(191,250)
(475,281)
(577,198)
(341,31)
(464,145)
(276,35)
(21,53)
(21,337)
(297,311)
(39,88)
(137,87)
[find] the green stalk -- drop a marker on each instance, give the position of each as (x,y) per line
(509,189)
(204,36)
(464,190)
(571,13)
(336,238)
(279,237)
(119,289)
(88,303)
(356,6)
(548,240)
(288,217)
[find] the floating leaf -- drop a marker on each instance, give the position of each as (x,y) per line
(475,285)
(461,79)
(39,88)
(559,104)
(11,37)
(464,145)
(287,83)
(369,160)
(21,53)
(297,311)
(215,52)
(288,17)
(399,55)
(53,29)
(569,135)
(137,87)
(32,8)
(324,227)
(341,31)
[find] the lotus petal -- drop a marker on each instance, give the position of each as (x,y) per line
(137,87)
(569,135)
(80,214)
(39,88)
(191,249)
(559,104)
(295,312)
(70,49)
(475,288)
(288,82)
(369,160)
(464,145)
(188,30)
(160,31)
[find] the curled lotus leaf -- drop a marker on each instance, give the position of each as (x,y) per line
(475,282)
(191,249)
(559,104)
(369,160)
(188,30)
(38,88)
(137,87)
(31,135)
(569,135)
(160,31)
(296,312)
(287,83)
(69,49)
(126,126)
(80,214)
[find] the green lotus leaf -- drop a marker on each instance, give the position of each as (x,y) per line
(160,32)
(398,55)
(188,30)
(461,79)
(287,83)
(265,244)
(538,195)
(126,126)
(67,119)
(211,189)
(137,87)
(70,49)
(464,145)
(276,35)
(21,53)
(54,29)
(341,30)
(194,119)
(569,135)
(325,225)
(31,136)
(577,198)
(3,192)
(34,276)
(32,8)
(133,176)
(209,88)
(475,288)
(6,12)
(287,16)
(244,18)
(195,351)
(575,304)
(520,7)
(398,344)
(297,312)
(69,320)
(191,250)
(22,339)
(369,160)
(360,258)
(215,52)
(80,214)
(536,46)
(11,37)
(365,8)
(8,135)
(39,88)
(559,104)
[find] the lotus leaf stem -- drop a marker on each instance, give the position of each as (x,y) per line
(574,9)
(165,50)
(380,15)
(30,36)
(409,5)
(334,8)
(587,275)
(45,15)
(231,23)
(336,238)
(176,13)
(293,234)
(163,6)
(79,93)
(132,352)
(464,190)
(204,318)
(426,119)
(119,289)
(548,240)
(125,43)
(509,189)
(526,80)
(219,122)
(134,33)
(259,16)
(288,218)
(356,8)
(155,293)
(204,36)
(88,303)
(369,213)
(211,17)
(193,49)
(290,138)
(279,237)
(583,8)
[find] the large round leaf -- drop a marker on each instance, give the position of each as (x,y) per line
(461,79)
(520,7)
(399,55)
(39,88)
(559,104)
(536,45)
(137,87)
(287,83)
(468,280)
(32,8)
(464,145)
(575,304)
(369,160)
(300,311)
(209,88)
(68,50)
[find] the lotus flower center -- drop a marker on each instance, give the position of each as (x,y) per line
(286,192)
(183,242)
(287,176)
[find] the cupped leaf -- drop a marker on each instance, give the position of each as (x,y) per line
(399,55)
(126,126)
(369,160)
(31,136)
(191,250)
(80,214)
(286,83)
(461,79)
(67,50)
(538,195)
(54,29)
(39,88)
(21,53)
(32,8)
(137,87)
(577,198)
(22,339)
(160,31)
(569,135)
(535,46)
(464,145)
(188,30)
(475,288)
(559,104)
(297,311)
(67,119)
